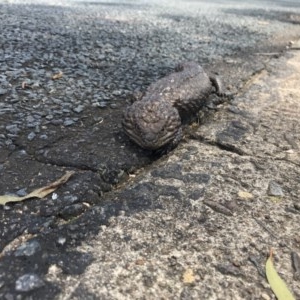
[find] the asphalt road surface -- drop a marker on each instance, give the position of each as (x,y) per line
(196,223)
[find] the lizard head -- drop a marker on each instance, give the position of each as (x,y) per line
(152,124)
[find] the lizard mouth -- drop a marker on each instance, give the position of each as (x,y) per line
(153,142)
(150,141)
(150,137)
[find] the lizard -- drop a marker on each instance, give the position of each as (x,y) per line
(155,120)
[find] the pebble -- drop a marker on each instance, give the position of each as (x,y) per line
(8,142)
(3,91)
(21,192)
(102,104)
(28,249)
(68,122)
(12,135)
(30,119)
(54,196)
(31,136)
(113,106)
(72,211)
(61,240)
(12,128)
(57,101)
(79,109)
(265,296)
(117,93)
(275,189)
(56,122)
(71,199)
(28,282)
(33,124)
(49,117)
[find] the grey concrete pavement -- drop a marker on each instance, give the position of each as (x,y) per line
(194,224)
(216,206)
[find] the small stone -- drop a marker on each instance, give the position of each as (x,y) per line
(102,104)
(275,189)
(54,196)
(28,282)
(44,137)
(35,85)
(12,135)
(296,205)
(28,249)
(188,276)
(8,142)
(30,119)
(265,296)
(9,296)
(117,93)
(61,240)
(49,117)
(68,122)
(71,199)
(72,211)
(21,192)
(3,91)
(57,101)
(22,152)
(79,109)
(98,119)
(32,125)
(31,136)
(245,195)
(12,129)
(113,106)
(56,122)
(11,147)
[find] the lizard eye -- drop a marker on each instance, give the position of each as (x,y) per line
(136,127)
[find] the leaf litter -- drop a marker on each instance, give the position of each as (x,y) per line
(278,286)
(38,193)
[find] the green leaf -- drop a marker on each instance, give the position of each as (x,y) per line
(278,286)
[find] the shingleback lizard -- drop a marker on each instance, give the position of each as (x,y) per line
(154,121)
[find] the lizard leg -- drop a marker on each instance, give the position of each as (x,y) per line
(217,83)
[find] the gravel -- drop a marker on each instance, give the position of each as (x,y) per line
(99,58)
(275,189)
(28,249)
(28,282)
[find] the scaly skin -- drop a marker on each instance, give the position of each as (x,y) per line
(154,121)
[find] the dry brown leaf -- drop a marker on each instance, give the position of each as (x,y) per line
(38,193)
(58,75)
